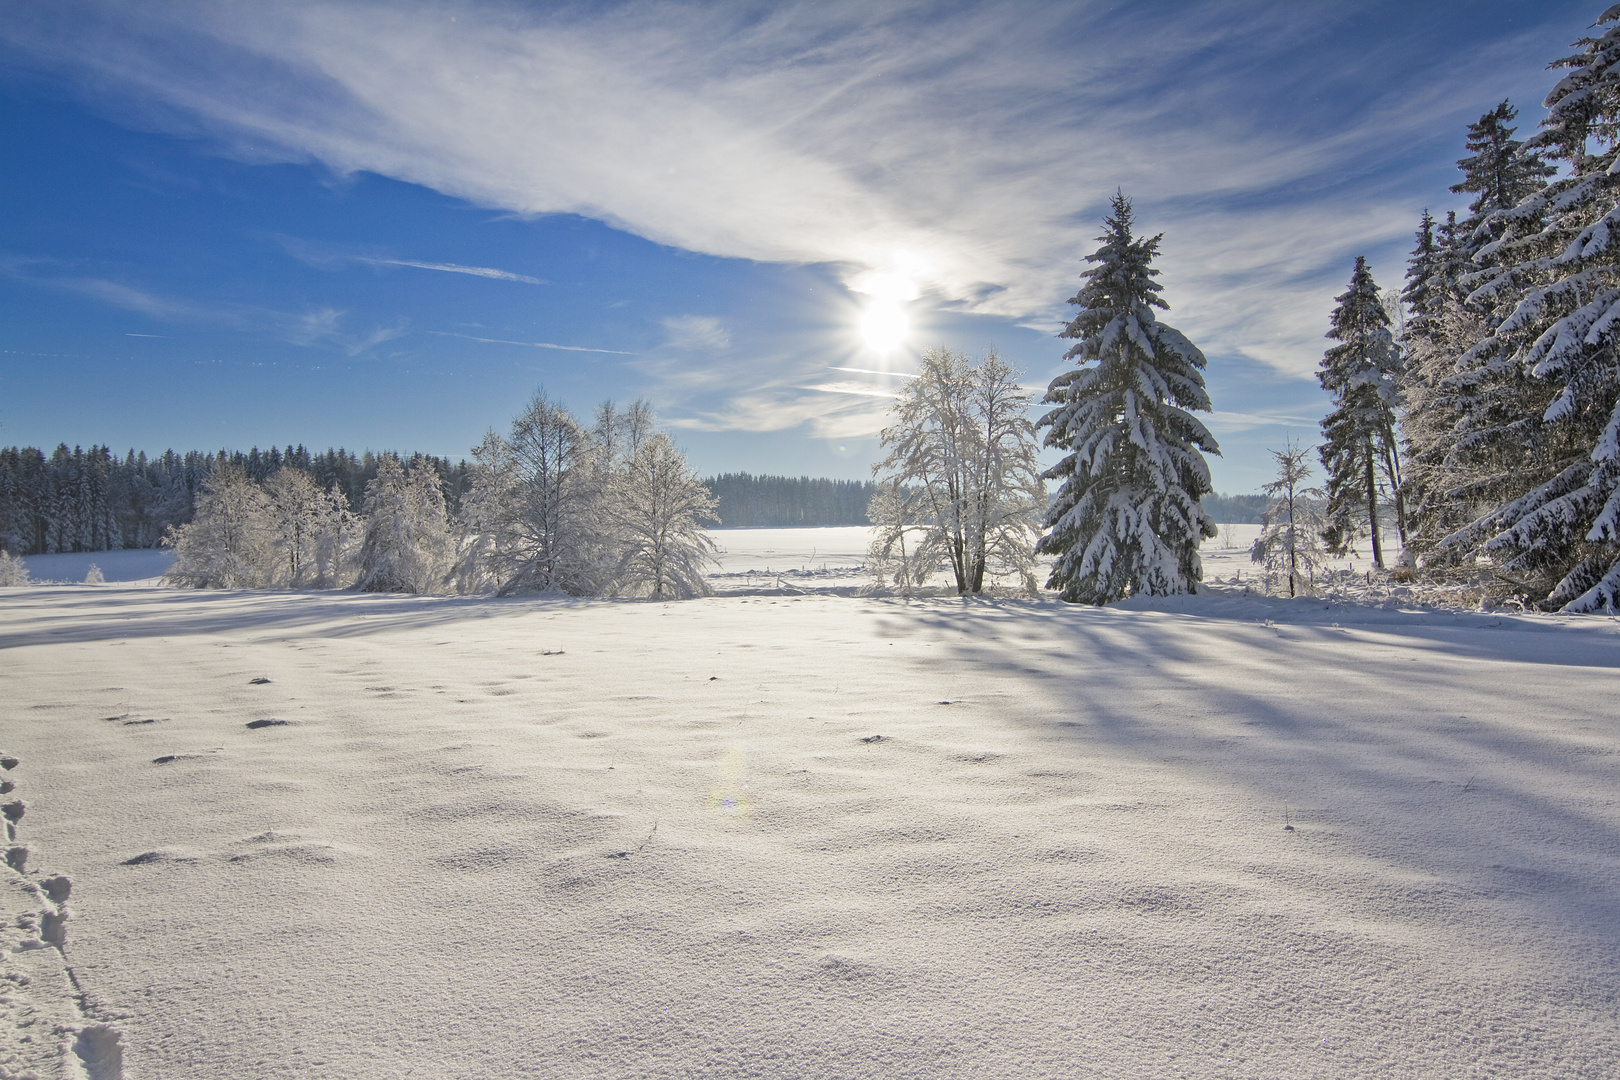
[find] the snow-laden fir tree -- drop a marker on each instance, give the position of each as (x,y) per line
(408,546)
(1290,542)
(1359,454)
(1127,519)
(1470,413)
(1554,533)
(960,486)
(1500,173)
(655,506)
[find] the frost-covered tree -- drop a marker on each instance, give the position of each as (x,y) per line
(1127,519)
(12,571)
(1360,439)
(314,536)
(226,545)
(407,546)
(1290,540)
(1554,531)
(960,483)
(655,505)
(889,555)
(534,506)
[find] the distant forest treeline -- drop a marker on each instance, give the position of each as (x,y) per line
(94,500)
(786,501)
(1235,509)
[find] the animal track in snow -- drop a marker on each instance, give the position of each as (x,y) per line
(49,997)
(100,1050)
(161,855)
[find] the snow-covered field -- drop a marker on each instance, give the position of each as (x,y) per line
(816,836)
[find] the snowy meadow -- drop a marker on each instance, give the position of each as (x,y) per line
(763,834)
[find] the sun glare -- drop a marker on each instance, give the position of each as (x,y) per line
(884,325)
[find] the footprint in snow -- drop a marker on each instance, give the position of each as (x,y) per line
(53,927)
(255,725)
(8,762)
(101,1050)
(14,810)
(260,681)
(7,787)
(58,888)
(167,758)
(17,857)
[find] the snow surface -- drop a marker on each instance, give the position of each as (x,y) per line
(806,836)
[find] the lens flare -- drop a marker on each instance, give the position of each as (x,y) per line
(730,796)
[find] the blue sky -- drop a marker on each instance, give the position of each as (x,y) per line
(384,225)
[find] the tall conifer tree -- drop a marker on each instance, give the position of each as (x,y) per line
(1554,532)
(1360,372)
(1128,518)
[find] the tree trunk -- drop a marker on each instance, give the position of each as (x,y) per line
(1372,507)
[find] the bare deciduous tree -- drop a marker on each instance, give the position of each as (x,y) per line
(961,485)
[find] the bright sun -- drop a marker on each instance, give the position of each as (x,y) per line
(884,325)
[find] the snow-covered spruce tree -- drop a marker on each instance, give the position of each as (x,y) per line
(1290,540)
(960,484)
(226,545)
(654,506)
(534,507)
(1468,410)
(407,546)
(1128,518)
(1360,372)
(1554,533)
(1500,173)
(1440,328)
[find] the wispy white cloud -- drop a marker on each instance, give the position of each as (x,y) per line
(457,268)
(530,344)
(856,388)
(975,145)
(320,254)
(693,333)
(314,327)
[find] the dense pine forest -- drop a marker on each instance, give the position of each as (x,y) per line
(94,500)
(744,500)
